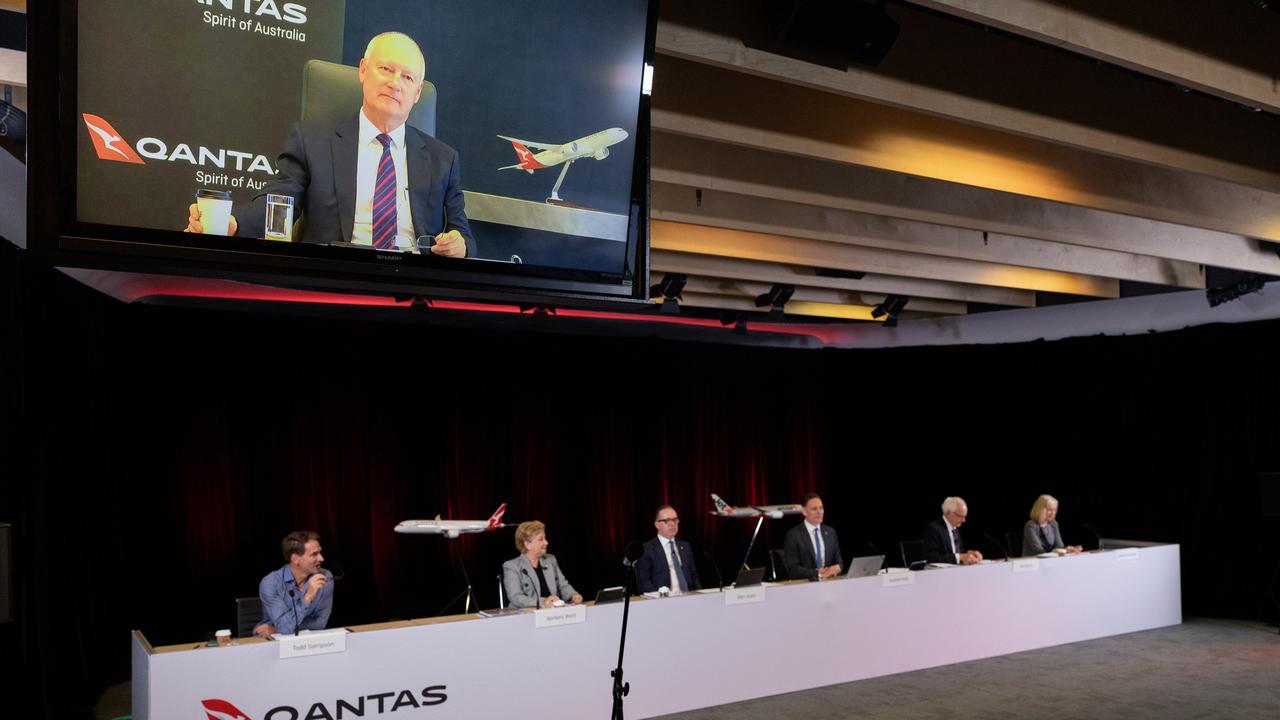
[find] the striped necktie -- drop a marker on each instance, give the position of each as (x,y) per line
(385,218)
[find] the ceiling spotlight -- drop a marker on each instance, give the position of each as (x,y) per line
(670,289)
(889,309)
(776,299)
(1251,283)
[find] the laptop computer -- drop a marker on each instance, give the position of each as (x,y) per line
(864,566)
(747,578)
(609,595)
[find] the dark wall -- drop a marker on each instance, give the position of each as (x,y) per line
(153,457)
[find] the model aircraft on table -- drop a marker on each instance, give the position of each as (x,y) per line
(453,528)
(756,512)
(724,509)
(595,145)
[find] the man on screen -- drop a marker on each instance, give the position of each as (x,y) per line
(298,596)
(667,562)
(811,549)
(942,541)
(371,180)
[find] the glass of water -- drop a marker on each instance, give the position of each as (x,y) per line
(279,225)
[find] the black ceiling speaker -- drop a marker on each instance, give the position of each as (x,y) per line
(827,30)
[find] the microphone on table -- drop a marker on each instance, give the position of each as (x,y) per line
(1096,534)
(294,608)
(634,552)
(999,545)
(719,577)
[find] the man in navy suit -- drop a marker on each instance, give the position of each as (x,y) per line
(371,180)
(942,541)
(667,562)
(811,549)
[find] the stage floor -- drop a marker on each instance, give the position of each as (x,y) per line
(1201,669)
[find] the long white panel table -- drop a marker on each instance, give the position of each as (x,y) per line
(682,652)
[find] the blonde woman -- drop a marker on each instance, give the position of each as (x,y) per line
(1041,534)
(534,579)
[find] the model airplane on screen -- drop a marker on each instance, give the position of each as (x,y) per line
(595,145)
(724,509)
(453,528)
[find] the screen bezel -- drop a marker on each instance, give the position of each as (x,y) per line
(56,236)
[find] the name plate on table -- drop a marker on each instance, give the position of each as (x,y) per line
(744,596)
(897,579)
(317,643)
(1127,554)
(555,617)
(1026,565)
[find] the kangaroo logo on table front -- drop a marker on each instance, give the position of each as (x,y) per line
(108,143)
(222,710)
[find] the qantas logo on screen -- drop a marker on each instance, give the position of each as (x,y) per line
(295,13)
(110,145)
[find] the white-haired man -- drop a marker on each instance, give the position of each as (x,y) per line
(370,179)
(942,541)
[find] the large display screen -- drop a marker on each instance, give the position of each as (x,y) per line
(516,150)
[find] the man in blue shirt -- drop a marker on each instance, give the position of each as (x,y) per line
(298,596)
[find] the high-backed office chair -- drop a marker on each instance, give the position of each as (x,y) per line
(1013,540)
(912,552)
(778,563)
(248,614)
(331,92)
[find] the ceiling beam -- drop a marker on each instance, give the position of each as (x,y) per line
(696,162)
(680,237)
(806,309)
(1087,106)
(769,215)
(711,103)
(1099,38)
(667,261)
(752,290)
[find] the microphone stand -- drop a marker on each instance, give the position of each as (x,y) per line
(1096,534)
(999,545)
(751,544)
(620,689)
(466,592)
(714,566)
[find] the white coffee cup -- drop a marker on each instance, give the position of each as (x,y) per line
(215,210)
(223,637)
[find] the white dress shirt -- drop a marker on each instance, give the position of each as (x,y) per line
(367,159)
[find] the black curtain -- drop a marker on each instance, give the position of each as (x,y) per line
(154,457)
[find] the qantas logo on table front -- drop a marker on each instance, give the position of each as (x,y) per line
(108,143)
(373,703)
(222,710)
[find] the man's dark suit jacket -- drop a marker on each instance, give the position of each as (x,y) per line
(652,569)
(318,168)
(797,552)
(937,545)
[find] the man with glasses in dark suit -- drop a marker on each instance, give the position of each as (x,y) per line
(667,561)
(942,541)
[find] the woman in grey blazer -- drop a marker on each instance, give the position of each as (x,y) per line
(534,578)
(1041,534)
